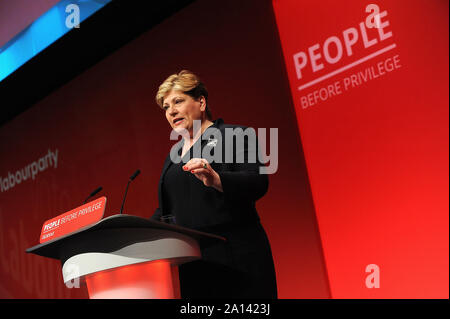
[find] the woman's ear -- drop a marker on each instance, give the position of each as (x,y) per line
(202,101)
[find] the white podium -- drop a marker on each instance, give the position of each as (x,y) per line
(126,256)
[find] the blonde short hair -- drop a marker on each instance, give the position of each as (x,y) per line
(186,82)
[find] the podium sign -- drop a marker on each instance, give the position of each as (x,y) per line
(73,220)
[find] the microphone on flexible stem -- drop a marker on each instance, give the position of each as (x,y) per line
(93,193)
(132,177)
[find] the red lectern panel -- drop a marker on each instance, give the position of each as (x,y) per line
(148,280)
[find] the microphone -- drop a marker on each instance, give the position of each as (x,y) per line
(93,193)
(132,177)
(135,175)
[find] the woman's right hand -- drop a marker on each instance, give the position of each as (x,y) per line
(204,172)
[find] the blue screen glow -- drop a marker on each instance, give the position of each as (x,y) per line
(42,32)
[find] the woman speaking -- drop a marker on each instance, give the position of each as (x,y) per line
(214,194)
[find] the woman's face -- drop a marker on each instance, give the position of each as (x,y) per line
(181,110)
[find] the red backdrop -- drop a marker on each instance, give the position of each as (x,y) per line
(376,150)
(105,124)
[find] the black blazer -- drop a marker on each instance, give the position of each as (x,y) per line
(241,267)
(242,183)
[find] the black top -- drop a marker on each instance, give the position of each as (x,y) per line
(178,186)
(173,196)
(242,266)
(197,206)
